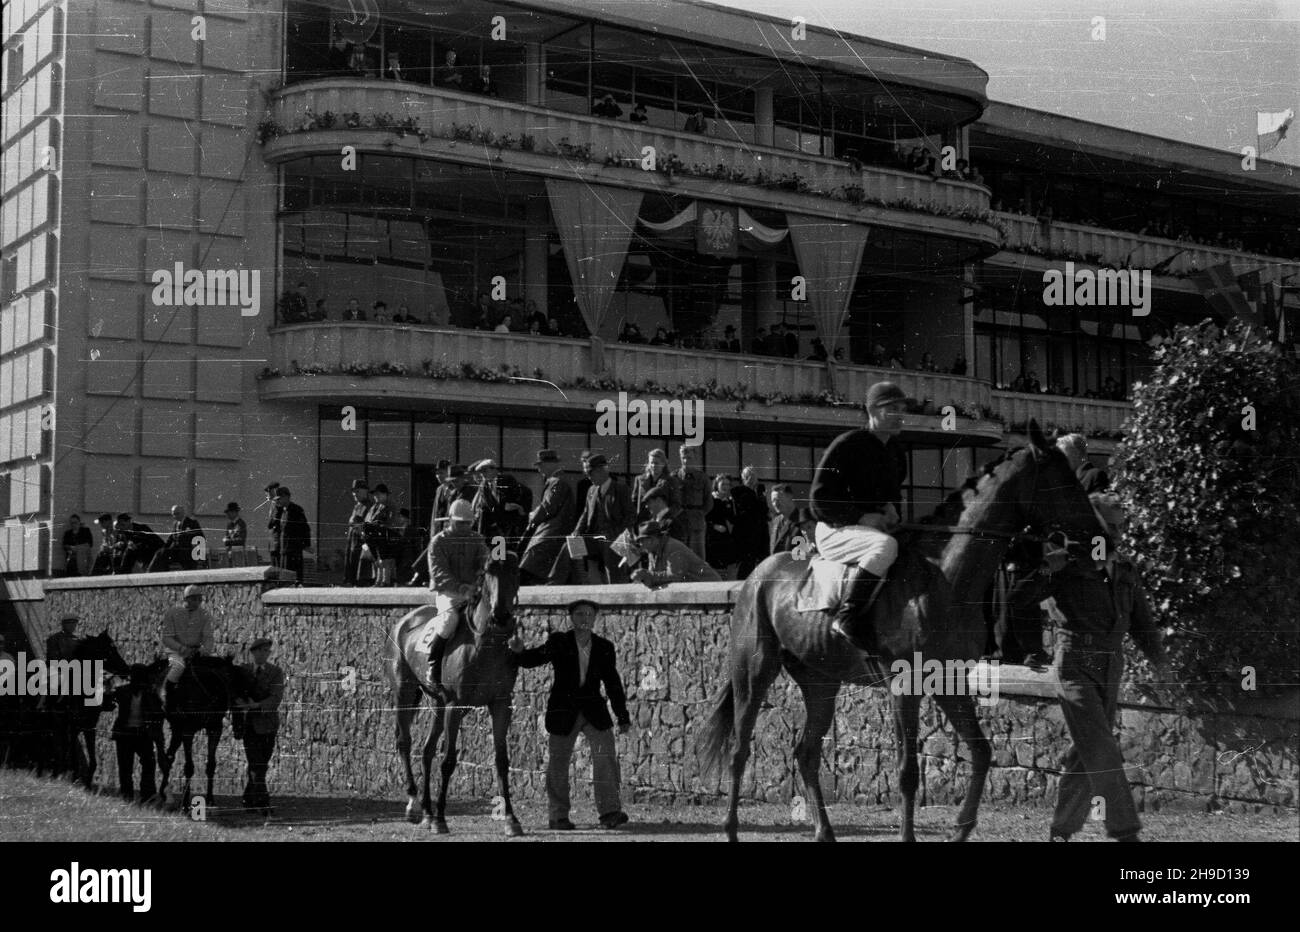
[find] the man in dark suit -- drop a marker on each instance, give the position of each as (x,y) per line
(261,721)
(361,502)
(293,535)
(134,543)
(607,514)
(178,546)
(790,522)
(550,521)
(137,731)
(582,662)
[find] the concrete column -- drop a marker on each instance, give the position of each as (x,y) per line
(534,73)
(764,131)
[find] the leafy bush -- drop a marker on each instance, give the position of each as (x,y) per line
(1214,505)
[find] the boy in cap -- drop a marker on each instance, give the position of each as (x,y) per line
(261,720)
(185,632)
(457,556)
(855,495)
(582,662)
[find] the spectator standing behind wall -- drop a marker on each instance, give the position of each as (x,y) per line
(134,544)
(77,543)
(294,532)
(179,545)
(693,491)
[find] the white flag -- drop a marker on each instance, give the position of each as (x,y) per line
(1271,128)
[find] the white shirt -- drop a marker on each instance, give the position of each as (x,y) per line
(584,658)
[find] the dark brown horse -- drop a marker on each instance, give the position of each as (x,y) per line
(478,669)
(72,720)
(931,609)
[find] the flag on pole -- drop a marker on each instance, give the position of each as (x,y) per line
(1270,128)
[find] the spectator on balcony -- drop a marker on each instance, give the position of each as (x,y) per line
(759,345)
(661,337)
(375,531)
(1032,385)
(354,311)
(318,313)
(838,356)
(553,328)
(896,360)
(77,541)
(504,326)
(959,365)
(404,316)
(927,363)
(379,312)
(639,115)
(236,536)
(819,353)
(729,342)
(695,122)
(292,533)
(776,345)
(791,343)
(449,73)
(976,178)
(1111,390)
(103,565)
(630,333)
(483,83)
(879,356)
(606,107)
(394,69)
(179,546)
(533,315)
(533,330)
(338,60)
(133,544)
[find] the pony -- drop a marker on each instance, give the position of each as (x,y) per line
(932,606)
(478,670)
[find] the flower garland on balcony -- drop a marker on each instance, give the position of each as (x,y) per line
(740,395)
(667,163)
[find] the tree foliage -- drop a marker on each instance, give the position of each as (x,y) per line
(1209,474)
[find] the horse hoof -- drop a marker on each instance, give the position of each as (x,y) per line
(514,829)
(426,822)
(440,827)
(824,836)
(961,832)
(413,811)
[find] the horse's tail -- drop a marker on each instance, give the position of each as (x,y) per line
(719,733)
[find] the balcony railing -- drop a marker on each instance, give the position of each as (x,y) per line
(378,349)
(1027,234)
(437,109)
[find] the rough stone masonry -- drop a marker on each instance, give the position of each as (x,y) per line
(337,737)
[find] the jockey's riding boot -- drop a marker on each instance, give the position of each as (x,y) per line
(436,651)
(851,621)
(169,697)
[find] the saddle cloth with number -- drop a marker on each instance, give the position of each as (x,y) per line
(821,589)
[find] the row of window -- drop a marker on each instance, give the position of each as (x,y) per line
(35,151)
(37,96)
(23,320)
(27,266)
(28,209)
(24,376)
(21,436)
(28,486)
(37,43)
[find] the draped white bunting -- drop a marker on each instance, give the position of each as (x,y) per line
(829,253)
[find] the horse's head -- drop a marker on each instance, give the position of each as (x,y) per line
(498,591)
(101,647)
(1048,494)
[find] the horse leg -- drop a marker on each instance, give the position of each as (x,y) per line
(91,763)
(167,757)
(907,713)
(430,750)
(188,742)
(819,706)
(500,732)
(408,700)
(448,768)
(755,666)
(960,710)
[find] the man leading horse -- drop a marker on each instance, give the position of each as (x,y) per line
(855,495)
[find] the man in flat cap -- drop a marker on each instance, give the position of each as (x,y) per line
(455,486)
(361,502)
(457,556)
(608,512)
(582,663)
(186,632)
(550,521)
(62,645)
(855,496)
(261,720)
(669,560)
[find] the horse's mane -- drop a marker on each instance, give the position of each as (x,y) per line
(950,510)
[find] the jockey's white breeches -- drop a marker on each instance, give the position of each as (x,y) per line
(863,544)
(448,617)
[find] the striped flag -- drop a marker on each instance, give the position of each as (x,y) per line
(1270,128)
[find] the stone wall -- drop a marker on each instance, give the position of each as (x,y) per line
(338,736)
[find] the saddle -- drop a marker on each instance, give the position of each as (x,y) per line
(821,587)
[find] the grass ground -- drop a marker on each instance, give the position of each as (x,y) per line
(40,809)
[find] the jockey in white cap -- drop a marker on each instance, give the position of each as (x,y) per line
(457,557)
(186,632)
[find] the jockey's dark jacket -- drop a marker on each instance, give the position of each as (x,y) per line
(858,475)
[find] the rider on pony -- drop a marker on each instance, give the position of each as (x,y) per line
(854,497)
(457,557)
